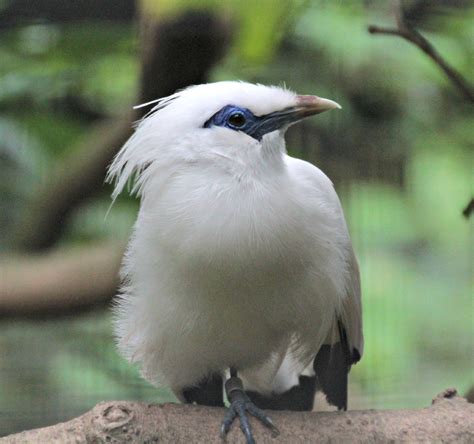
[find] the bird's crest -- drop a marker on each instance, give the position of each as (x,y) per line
(133,159)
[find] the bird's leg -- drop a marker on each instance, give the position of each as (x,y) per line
(240,405)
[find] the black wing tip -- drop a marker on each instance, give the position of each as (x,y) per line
(355,356)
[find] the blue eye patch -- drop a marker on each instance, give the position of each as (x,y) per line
(233,117)
(242,119)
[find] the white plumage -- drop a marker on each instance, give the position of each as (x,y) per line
(240,255)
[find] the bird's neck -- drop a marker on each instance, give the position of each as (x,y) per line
(268,162)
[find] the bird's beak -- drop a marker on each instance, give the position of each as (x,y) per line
(305,106)
(311,105)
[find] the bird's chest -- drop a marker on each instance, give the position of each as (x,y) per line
(236,264)
(233,228)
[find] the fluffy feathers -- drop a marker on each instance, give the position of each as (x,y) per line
(240,255)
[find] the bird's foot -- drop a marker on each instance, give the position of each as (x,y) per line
(240,405)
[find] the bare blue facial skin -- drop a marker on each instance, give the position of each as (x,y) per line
(242,119)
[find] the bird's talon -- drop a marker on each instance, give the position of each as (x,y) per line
(241,406)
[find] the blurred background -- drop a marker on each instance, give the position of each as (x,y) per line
(400,154)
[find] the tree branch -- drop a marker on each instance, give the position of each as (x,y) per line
(407,32)
(447,420)
(62,282)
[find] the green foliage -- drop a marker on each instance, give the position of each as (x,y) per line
(41,63)
(255,39)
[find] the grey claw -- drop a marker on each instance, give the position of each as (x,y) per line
(246,429)
(260,414)
(227,422)
(223,431)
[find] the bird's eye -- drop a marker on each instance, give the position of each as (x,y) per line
(237,119)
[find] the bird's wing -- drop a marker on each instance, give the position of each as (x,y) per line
(351,312)
(344,343)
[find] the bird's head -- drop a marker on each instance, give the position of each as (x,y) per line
(227,122)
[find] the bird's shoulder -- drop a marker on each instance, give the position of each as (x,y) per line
(311,178)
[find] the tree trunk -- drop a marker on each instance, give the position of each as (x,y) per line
(176,52)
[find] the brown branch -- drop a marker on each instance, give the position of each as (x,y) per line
(63,282)
(449,420)
(407,32)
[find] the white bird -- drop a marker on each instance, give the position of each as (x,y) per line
(240,258)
